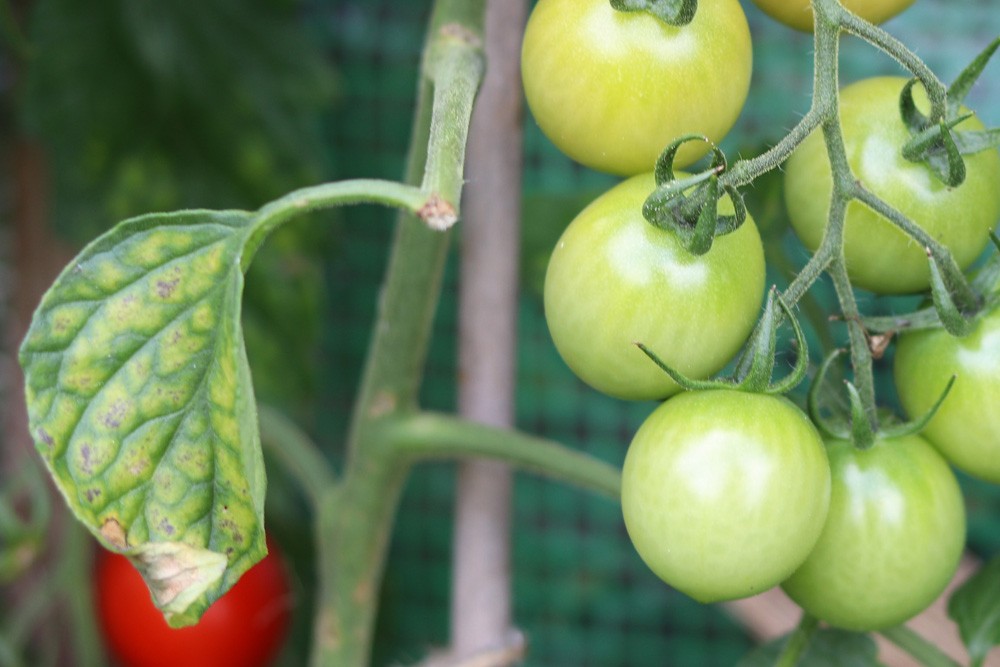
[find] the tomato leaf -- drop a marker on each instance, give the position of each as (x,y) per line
(141,404)
(975,607)
(674,12)
(829,647)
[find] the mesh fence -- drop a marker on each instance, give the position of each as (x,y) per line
(582,595)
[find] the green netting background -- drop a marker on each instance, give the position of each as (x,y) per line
(582,595)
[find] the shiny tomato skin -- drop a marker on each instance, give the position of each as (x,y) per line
(724,493)
(880,257)
(966,428)
(614,280)
(798,13)
(244,628)
(892,540)
(611,89)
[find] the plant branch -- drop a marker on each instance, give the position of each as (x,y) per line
(455,66)
(952,273)
(355,517)
(882,40)
(743,172)
(427,435)
(341,193)
(798,641)
(861,356)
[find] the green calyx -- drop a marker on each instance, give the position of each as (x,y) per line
(860,428)
(688,207)
(755,367)
(955,307)
(935,140)
(674,12)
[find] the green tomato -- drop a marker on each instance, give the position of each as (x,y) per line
(966,428)
(614,280)
(724,492)
(879,256)
(798,13)
(611,89)
(892,540)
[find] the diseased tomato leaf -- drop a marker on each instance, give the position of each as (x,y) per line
(828,647)
(141,404)
(975,607)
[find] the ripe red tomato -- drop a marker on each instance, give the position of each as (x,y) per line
(244,628)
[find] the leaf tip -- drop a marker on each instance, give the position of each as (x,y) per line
(178,575)
(114,534)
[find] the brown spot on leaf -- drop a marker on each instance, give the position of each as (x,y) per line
(46,439)
(113,417)
(165,288)
(114,533)
(92,495)
(166,527)
(86,463)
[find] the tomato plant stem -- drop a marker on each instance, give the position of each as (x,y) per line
(966,297)
(743,172)
(797,642)
(882,40)
(355,515)
(428,435)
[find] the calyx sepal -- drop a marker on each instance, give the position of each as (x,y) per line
(675,12)
(689,206)
(935,141)
(756,365)
(860,429)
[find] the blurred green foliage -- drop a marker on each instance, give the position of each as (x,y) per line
(153,106)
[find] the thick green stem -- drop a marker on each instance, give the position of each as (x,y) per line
(341,193)
(353,528)
(797,642)
(743,172)
(355,516)
(879,38)
(436,436)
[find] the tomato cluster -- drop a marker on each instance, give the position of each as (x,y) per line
(728,492)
